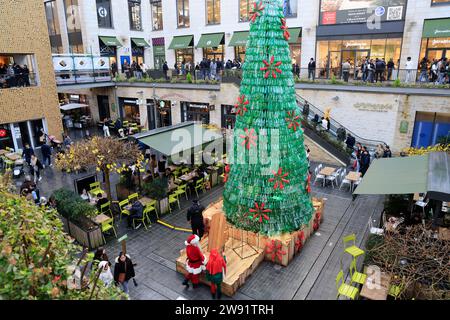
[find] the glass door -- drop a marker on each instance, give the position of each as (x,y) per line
(360,55)
(334,64)
(437,54)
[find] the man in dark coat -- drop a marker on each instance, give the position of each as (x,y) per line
(195,217)
(136,212)
(27,153)
(350,142)
(312,69)
(47,154)
(305,111)
(365,161)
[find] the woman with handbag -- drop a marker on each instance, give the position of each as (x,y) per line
(36,167)
(123,271)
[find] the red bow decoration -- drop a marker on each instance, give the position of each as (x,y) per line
(279,178)
(249,138)
(225,174)
(256,11)
(284,27)
(299,241)
(275,249)
(259,213)
(239,108)
(271,68)
(292,120)
(308,183)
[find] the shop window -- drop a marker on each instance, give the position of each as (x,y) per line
(245,7)
(194,111)
(290,8)
(437,2)
(184,55)
(295,50)
(37,127)
(134,11)
(137,53)
(104,14)
(17,70)
(214,53)
(430,128)
(393,49)
(212,11)
(183,13)
(73,26)
(228,116)
(239,53)
(157,15)
(54,31)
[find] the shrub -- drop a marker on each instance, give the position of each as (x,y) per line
(189,77)
(157,189)
(396,83)
(71,206)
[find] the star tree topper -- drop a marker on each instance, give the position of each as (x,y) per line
(271,67)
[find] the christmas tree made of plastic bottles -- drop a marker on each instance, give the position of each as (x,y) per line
(268,195)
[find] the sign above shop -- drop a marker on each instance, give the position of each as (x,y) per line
(374,107)
(3,133)
(356,44)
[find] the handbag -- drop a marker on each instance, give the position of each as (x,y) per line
(122,277)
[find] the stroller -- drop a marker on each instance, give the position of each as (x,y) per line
(18,168)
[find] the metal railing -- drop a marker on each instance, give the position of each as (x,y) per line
(77,77)
(18,80)
(81,68)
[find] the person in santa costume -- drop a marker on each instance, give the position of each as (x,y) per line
(195,262)
(215,270)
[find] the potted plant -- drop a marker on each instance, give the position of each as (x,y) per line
(158,190)
(125,187)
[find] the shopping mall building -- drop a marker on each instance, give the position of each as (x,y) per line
(330,31)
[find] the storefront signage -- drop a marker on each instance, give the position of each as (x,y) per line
(362,106)
(101,63)
(102,12)
(342,12)
(404,126)
(131,101)
(436,42)
(159,50)
(356,44)
(17,133)
(3,133)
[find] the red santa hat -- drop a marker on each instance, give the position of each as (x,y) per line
(193,239)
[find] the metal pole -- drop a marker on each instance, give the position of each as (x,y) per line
(155,105)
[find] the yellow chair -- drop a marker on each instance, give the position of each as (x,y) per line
(173,199)
(200,184)
(396,290)
(185,170)
(180,190)
(123,211)
(353,250)
(94,188)
(345,289)
(150,208)
(144,217)
(9,164)
(106,208)
(133,197)
(108,225)
(356,276)
(176,173)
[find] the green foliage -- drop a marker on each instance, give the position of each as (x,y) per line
(36,255)
(189,77)
(157,189)
(374,241)
(396,83)
(70,205)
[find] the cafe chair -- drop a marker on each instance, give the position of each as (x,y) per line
(94,189)
(106,226)
(176,173)
(200,184)
(318,176)
(106,208)
(353,250)
(133,197)
(142,219)
(149,208)
(395,290)
(333,178)
(356,276)
(123,211)
(345,181)
(180,190)
(185,170)
(356,183)
(345,289)
(173,198)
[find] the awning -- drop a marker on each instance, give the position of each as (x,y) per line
(72,106)
(181,137)
(428,173)
(111,41)
(239,39)
(210,40)
(437,28)
(182,42)
(295,34)
(140,42)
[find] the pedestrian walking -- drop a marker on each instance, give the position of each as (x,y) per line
(346,70)
(123,271)
(166,70)
(365,161)
(409,66)
(46,154)
(106,128)
(36,167)
(312,69)
(105,274)
(27,153)
(216,268)
(390,68)
(195,217)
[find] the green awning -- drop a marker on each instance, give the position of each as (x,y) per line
(295,34)
(239,39)
(437,28)
(210,40)
(404,175)
(111,41)
(140,42)
(175,139)
(182,42)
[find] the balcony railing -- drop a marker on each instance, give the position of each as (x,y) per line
(81,69)
(18,80)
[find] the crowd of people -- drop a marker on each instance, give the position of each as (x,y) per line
(14,75)
(436,71)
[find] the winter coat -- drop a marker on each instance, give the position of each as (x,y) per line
(124,267)
(195,215)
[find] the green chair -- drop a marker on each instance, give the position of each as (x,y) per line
(106,208)
(180,190)
(176,173)
(123,211)
(185,170)
(356,276)
(173,198)
(200,184)
(345,289)
(94,188)
(144,217)
(9,164)
(133,197)
(150,208)
(353,250)
(396,290)
(106,226)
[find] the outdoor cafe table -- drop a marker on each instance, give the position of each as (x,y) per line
(145,200)
(327,171)
(353,176)
(187,177)
(375,291)
(101,218)
(13,156)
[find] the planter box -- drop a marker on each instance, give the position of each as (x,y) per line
(162,206)
(214,174)
(122,192)
(91,239)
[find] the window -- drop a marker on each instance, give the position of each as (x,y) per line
(245,6)
(228,116)
(290,8)
(73,26)
(134,10)
(437,2)
(157,18)
(212,11)
(54,31)
(183,13)
(17,70)
(104,14)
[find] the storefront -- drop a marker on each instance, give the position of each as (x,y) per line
(213,46)
(162,116)
(17,135)
(138,46)
(195,111)
(159,53)
(295,45)
(129,110)
(228,116)
(430,128)
(108,48)
(331,53)
(184,49)
(435,39)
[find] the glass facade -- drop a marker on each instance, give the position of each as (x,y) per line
(137,53)
(104,14)
(73,26)
(16,135)
(245,7)
(54,30)
(212,11)
(214,53)
(183,13)
(134,10)
(195,111)
(108,51)
(239,53)
(430,128)
(228,116)
(332,53)
(184,55)
(157,15)
(435,48)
